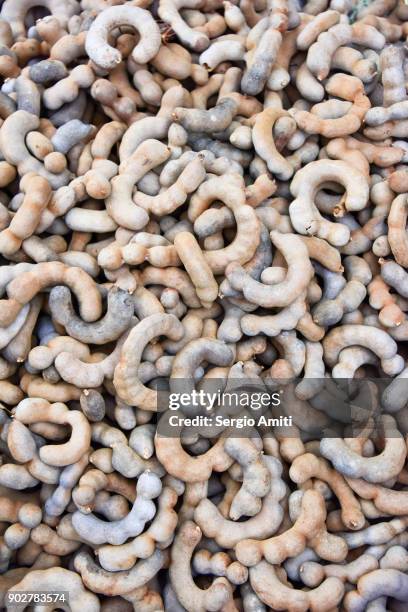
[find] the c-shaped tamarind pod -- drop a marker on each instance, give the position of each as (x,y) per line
(129,388)
(309,466)
(373,338)
(180,464)
(300,272)
(228,533)
(304,215)
(213,598)
(279,596)
(118,583)
(97,531)
(13,133)
(117,319)
(32,410)
(373,585)
(161,530)
(107,57)
(23,288)
(309,526)
(377,469)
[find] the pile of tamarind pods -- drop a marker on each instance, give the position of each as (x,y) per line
(203,190)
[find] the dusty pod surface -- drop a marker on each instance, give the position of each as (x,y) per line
(204,305)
